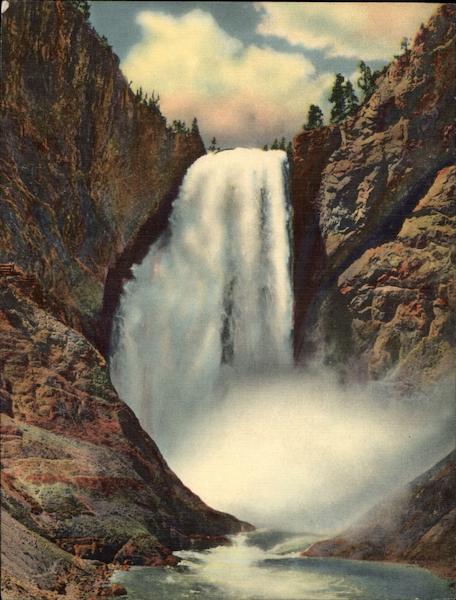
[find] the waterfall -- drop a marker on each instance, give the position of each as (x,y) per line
(202,353)
(212,299)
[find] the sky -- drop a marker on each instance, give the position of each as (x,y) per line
(248,71)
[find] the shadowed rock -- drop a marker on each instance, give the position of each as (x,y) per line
(374,201)
(416,525)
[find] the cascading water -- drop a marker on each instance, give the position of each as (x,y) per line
(212,299)
(202,353)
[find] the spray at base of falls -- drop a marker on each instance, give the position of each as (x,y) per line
(251,570)
(203,356)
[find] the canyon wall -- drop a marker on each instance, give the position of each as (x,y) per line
(89,174)
(90,170)
(85,192)
(374,231)
(374,271)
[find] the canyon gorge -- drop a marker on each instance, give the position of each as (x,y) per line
(350,272)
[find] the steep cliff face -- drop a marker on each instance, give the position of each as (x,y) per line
(77,467)
(377,288)
(89,176)
(312,151)
(418,525)
(86,164)
(375,231)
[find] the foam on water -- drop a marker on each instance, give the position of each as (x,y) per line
(244,571)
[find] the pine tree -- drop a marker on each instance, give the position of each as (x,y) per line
(265,148)
(139,94)
(195,128)
(83,6)
(351,100)
(283,144)
(366,81)
(314,117)
(337,98)
(289,151)
(405,45)
(275,144)
(180,126)
(213,146)
(154,102)
(104,41)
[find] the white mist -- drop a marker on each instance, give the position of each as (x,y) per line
(299,452)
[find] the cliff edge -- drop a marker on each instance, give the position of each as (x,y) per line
(375,222)
(90,170)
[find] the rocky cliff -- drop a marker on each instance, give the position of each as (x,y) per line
(90,170)
(374,231)
(418,525)
(89,176)
(77,469)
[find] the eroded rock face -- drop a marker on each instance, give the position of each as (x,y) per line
(401,295)
(380,291)
(76,466)
(85,163)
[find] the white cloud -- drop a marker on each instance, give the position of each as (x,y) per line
(241,94)
(367,30)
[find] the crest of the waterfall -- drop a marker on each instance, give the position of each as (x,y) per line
(214,291)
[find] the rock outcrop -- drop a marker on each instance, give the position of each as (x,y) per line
(375,201)
(90,172)
(77,467)
(375,232)
(416,526)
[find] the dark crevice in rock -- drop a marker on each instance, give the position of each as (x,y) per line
(316,278)
(391,224)
(311,154)
(308,266)
(121,272)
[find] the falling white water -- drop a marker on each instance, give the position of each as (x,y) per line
(212,299)
(202,354)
